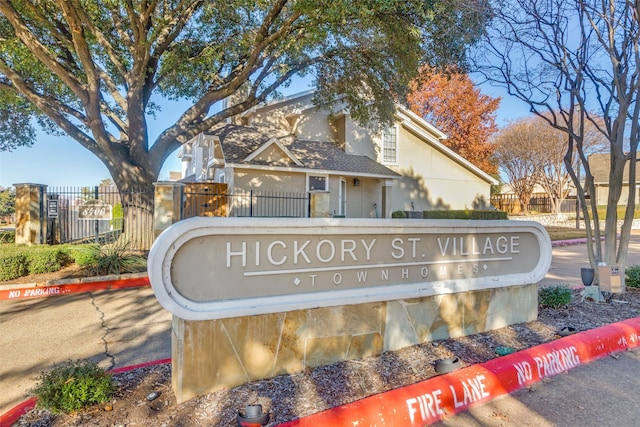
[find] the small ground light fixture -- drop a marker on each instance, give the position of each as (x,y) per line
(252,416)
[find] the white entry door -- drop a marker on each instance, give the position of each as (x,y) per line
(342,209)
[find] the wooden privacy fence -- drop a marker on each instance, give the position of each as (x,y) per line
(539,203)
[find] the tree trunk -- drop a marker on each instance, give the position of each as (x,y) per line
(136,191)
(138,217)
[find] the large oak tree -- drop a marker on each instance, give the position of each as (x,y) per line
(97,70)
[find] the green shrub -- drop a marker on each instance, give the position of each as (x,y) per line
(18,260)
(554,296)
(632,278)
(13,265)
(72,386)
(85,256)
(115,258)
(398,214)
(46,259)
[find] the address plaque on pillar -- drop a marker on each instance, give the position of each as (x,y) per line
(211,268)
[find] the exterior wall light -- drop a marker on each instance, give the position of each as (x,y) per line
(356,182)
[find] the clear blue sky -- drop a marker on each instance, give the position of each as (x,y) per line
(60,161)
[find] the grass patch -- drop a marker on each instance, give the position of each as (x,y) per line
(565,233)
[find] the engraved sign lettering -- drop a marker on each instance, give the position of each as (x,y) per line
(208,268)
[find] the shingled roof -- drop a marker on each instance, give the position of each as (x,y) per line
(599,166)
(239,142)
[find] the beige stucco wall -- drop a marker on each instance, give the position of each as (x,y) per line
(211,355)
(273,155)
(432,180)
(315,126)
(360,141)
(602,193)
(265,180)
(361,199)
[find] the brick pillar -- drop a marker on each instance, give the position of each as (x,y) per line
(30,215)
(167,205)
(320,205)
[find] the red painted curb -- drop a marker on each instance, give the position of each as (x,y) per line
(140,365)
(434,399)
(13,414)
(74,288)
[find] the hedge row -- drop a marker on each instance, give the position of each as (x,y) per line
(20,260)
(17,261)
(456,214)
(7,236)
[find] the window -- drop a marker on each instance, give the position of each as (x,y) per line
(317,182)
(389,145)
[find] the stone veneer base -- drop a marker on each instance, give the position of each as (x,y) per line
(211,355)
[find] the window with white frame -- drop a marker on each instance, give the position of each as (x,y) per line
(390,145)
(317,182)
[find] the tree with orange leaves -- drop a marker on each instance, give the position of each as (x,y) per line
(450,101)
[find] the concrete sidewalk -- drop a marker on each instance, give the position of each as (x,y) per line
(113,328)
(567,261)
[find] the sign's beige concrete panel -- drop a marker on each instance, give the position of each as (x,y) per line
(212,268)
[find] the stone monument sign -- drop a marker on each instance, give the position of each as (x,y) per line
(358,278)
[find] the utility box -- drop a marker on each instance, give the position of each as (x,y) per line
(611,279)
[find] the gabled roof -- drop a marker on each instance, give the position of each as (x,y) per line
(242,144)
(270,143)
(322,155)
(599,167)
(411,121)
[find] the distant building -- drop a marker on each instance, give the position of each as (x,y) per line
(599,166)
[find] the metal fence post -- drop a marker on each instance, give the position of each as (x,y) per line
(97,223)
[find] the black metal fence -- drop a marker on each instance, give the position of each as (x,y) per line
(254,203)
(67,222)
(132,211)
